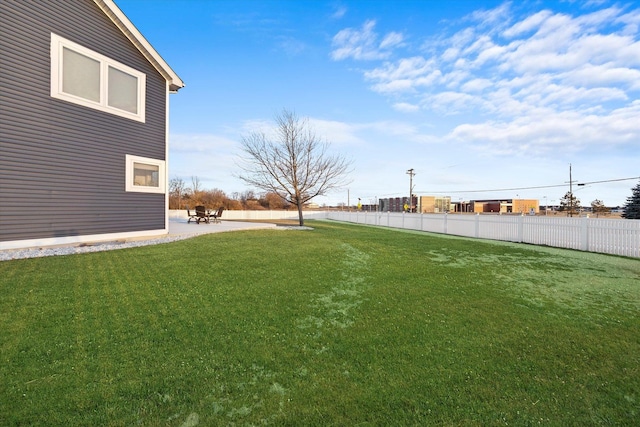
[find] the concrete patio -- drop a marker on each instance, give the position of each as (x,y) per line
(180,227)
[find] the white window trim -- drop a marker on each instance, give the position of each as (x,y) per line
(129,185)
(57,45)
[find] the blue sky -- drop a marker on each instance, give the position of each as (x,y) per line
(483,99)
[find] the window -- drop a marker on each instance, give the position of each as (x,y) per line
(145,175)
(84,77)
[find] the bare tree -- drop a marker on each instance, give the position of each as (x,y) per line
(294,163)
(196,186)
(177,189)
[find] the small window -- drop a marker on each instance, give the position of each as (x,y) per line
(145,175)
(84,77)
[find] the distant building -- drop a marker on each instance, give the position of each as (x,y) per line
(520,206)
(442,204)
(421,204)
(434,204)
(397,204)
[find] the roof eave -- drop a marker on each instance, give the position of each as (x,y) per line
(126,26)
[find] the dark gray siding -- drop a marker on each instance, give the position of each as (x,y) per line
(62,166)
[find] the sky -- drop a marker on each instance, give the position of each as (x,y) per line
(483,99)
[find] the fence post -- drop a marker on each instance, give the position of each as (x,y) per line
(521,228)
(477,225)
(584,233)
(444,226)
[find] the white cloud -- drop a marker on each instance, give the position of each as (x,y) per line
(490,52)
(547,133)
(405,75)
(493,19)
(447,103)
(257,125)
(406,107)
(548,80)
(335,132)
(339,12)
(392,39)
(631,22)
(529,24)
(362,44)
(451,54)
(476,85)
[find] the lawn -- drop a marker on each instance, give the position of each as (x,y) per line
(342,325)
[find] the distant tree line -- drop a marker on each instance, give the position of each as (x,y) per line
(571,205)
(183,196)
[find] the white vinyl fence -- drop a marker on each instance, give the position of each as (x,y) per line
(609,236)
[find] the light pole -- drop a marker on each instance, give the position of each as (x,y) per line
(411,173)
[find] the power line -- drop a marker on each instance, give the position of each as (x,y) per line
(608,180)
(509,189)
(497,189)
(532,188)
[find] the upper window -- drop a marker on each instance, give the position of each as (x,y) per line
(84,77)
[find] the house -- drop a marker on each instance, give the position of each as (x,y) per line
(84,102)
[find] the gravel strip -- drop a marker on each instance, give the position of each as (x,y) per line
(11,254)
(93,247)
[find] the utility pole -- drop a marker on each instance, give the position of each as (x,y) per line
(570,193)
(411,173)
(571,198)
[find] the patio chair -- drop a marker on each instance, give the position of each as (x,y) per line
(192,216)
(202,214)
(216,215)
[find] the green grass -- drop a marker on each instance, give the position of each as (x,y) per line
(342,325)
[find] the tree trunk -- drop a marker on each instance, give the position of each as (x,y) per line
(300,217)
